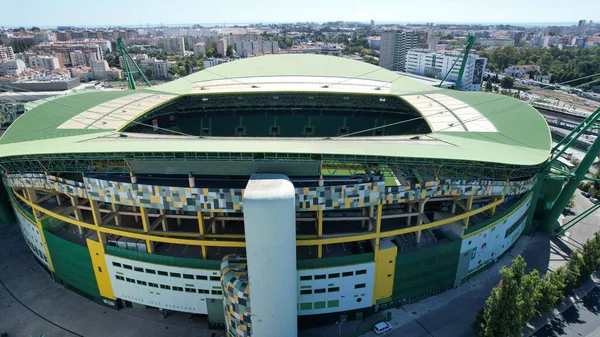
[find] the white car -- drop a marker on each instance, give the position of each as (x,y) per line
(381,328)
(594,200)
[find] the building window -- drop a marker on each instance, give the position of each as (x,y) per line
(360,285)
(121,278)
(347,273)
(126,266)
(116,264)
(190,290)
(215,278)
(306,278)
(153,285)
(150,271)
(319,291)
(201,277)
(305,306)
(333,304)
(141,282)
(178,288)
(141,270)
(361,272)
(203,291)
(162,273)
(320,305)
(320,277)
(164,286)
(130,280)
(217,292)
(175,275)
(333,289)
(305,292)
(188,276)
(336,275)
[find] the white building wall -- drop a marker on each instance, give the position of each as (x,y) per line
(32,237)
(327,290)
(487,245)
(202,281)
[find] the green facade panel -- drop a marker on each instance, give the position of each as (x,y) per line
(72,264)
(164,260)
(425,273)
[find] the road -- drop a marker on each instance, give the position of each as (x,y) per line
(582,319)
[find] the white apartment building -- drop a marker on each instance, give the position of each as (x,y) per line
(161,69)
(6,53)
(199,49)
(44,61)
(395,44)
(77,58)
(520,71)
(222,47)
(172,44)
(211,62)
(11,67)
(436,65)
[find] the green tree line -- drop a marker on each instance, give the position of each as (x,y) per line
(519,297)
(561,65)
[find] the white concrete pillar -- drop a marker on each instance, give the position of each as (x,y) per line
(270,222)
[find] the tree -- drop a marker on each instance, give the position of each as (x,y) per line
(35,29)
(149,72)
(488,85)
(551,289)
(229,52)
(571,202)
(507,82)
(288,42)
(173,70)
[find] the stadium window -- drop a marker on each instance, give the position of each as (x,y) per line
(178,288)
(333,289)
(320,277)
(116,264)
(150,271)
(153,285)
(306,278)
(201,277)
(203,291)
(335,275)
(215,278)
(126,266)
(99,269)
(141,282)
(320,305)
(121,278)
(188,276)
(333,304)
(141,270)
(347,273)
(305,306)
(360,285)
(164,286)
(175,275)
(190,290)
(217,292)
(305,292)
(130,280)
(361,272)
(162,273)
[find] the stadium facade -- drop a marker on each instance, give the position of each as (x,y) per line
(273,193)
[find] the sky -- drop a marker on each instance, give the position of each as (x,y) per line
(154,12)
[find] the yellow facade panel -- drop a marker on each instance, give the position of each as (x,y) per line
(384,273)
(100,269)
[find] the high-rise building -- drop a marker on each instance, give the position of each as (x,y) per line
(436,65)
(6,53)
(394,46)
(77,58)
(518,38)
(199,49)
(11,67)
(172,44)
(222,47)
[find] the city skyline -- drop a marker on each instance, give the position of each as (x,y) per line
(142,14)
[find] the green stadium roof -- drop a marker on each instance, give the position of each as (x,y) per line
(496,128)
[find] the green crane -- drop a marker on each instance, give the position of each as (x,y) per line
(126,60)
(465,56)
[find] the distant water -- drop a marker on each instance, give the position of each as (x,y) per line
(229,24)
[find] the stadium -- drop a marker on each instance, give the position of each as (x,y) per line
(273,193)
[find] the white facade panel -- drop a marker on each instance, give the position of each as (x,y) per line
(32,237)
(335,289)
(493,242)
(165,294)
